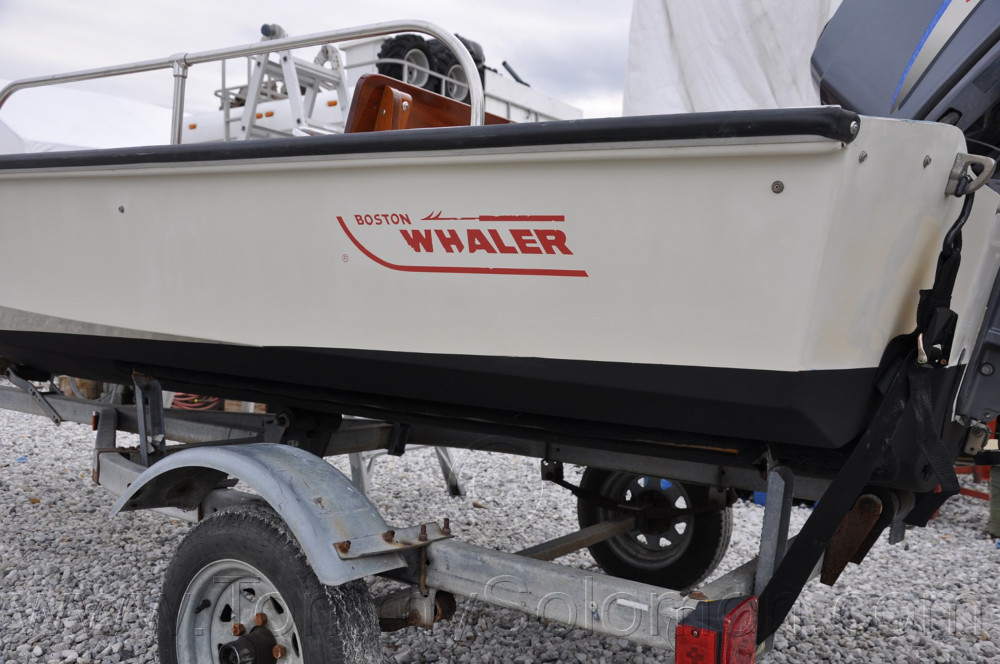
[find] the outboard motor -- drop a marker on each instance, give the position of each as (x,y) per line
(933,60)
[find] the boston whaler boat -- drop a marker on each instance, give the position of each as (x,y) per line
(728,300)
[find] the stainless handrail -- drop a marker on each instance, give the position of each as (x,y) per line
(180,62)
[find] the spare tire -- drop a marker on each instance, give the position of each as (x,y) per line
(675,553)
(413,50)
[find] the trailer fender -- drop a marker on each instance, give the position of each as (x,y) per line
(320,505)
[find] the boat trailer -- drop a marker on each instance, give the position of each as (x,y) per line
(185,464)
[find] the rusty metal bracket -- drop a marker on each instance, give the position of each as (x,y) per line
(389,541)
(850,536)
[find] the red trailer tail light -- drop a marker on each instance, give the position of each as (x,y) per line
(739,634)
(696,645)
(723,632)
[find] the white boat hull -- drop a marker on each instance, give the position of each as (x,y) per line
(728,257)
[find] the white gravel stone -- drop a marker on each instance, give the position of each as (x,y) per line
(77,586)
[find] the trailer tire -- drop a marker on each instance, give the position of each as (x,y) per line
(241,562)
(669,555)
(412,49)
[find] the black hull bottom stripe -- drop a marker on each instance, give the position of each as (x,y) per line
(823,409)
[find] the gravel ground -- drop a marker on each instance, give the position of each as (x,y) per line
(78,586)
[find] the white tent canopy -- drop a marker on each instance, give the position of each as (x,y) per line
(714,55)
(64,118)
(10,142)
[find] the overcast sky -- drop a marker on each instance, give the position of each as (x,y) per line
(574,50)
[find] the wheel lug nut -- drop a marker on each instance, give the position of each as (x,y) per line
(260,619)
(278,651)
(239,629)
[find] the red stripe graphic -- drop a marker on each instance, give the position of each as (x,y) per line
(458,270)
(438,216)
(522,217)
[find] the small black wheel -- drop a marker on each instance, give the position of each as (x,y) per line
(672,553)
(240,588)
(413,50)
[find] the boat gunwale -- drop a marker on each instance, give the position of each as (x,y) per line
(830,122)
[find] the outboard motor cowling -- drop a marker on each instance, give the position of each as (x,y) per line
(933,60)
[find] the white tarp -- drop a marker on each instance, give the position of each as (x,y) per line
(10,142)
(63,118)
(716,55)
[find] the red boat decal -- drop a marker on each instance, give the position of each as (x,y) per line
(400,239)
(437,216)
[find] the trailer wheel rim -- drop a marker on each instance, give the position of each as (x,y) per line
(417,67)
(458,85)
(656,545)
(222,594)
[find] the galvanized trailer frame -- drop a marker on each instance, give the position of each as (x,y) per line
(345,537)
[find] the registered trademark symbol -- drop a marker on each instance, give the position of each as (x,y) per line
(345,258)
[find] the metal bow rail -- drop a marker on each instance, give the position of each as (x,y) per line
(181,62)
